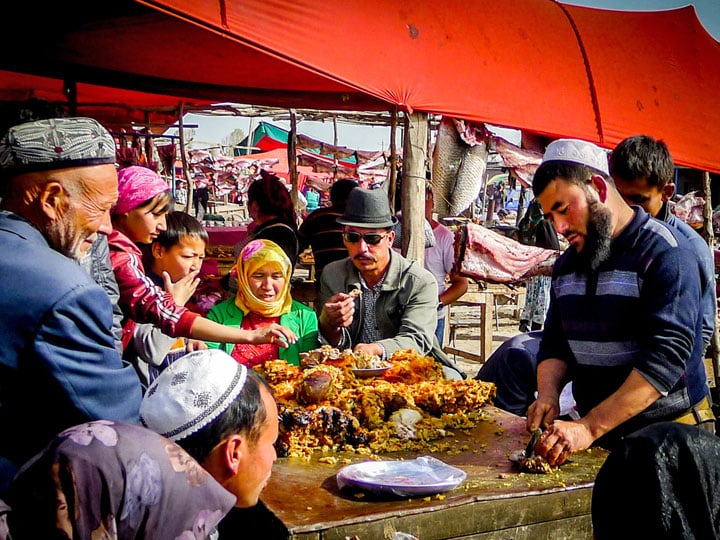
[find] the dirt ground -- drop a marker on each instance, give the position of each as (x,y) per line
(468,338)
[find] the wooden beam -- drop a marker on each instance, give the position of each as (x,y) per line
(413,186)
(183,157)
(709,235)
(335,144)
(292,160)
(392,186)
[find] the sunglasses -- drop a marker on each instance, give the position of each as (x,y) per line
(371,238)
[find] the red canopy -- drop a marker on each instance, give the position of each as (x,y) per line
(535,65)
(115,108)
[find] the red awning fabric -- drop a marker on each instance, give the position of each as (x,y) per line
(537,65)
(115,108)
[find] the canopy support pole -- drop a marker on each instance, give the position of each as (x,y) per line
(709,235)
(335,144)
(392,185)
(292,160)
(70,91)
(183,157)
(413,186)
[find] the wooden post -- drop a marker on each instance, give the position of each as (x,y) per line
(335,143)
(413,186)
(521,204)
(250,137)
(392,186)
(428,145)
(292,160)
(70,91)
(710,238)
(183,158)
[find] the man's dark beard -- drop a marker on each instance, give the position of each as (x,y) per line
(598,238)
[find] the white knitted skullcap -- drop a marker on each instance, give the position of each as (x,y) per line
(578,152)
(192,392)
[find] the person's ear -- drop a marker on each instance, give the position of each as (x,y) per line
(599,184)
(668,191)
(157,250)
(234,452)
(53,200)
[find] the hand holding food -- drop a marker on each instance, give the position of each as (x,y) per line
(339,310)
(561,439)
(368,348)
(273,333)
(528,461)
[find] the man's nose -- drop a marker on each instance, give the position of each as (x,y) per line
(364,246)
(106,224)
(561,226)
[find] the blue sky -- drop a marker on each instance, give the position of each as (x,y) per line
(211,130)
(708,11)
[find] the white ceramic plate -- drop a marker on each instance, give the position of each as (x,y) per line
(411,478)
(370,372)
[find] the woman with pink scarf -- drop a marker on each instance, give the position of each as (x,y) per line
(138,217)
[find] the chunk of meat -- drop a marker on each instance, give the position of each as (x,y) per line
(489,256)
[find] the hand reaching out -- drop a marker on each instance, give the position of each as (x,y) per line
(273,333)
(195,345)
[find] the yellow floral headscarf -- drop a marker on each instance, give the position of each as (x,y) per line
(254,255)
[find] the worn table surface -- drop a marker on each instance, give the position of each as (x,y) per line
(304,495)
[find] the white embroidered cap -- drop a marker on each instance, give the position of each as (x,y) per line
(192,392)
(578,152)
(56,143)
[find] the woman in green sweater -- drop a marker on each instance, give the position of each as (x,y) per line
(263,297)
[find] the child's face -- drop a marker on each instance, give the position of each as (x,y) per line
(143,226)
(179,260)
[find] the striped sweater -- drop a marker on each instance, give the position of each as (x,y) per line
(640,310)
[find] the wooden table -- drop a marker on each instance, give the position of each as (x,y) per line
(494,502)
(479,313)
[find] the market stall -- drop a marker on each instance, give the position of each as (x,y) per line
(304,495)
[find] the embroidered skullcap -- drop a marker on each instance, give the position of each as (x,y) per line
(135,186)
(56,143)
(192,392)
(578,152)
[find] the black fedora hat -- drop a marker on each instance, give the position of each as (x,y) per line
(368,208)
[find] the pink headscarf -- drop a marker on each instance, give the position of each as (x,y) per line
(137,185)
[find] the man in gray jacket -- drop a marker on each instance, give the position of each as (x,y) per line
(375,300)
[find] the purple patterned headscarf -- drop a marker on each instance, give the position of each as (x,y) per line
(119,481)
